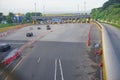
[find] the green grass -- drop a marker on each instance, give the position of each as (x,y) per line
(7,25)
(115,25)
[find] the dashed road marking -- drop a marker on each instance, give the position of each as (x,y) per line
(14,68)
(38,60)
(61,70)
(55,74)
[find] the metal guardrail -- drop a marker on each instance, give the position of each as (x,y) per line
(111,63)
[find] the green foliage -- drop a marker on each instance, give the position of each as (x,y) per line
(1,16)
(110,12)
(110,2)
(29,15)
(10,17)
(7,25)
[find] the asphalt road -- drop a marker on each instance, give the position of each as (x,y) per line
(18,38)
(114,34)
(60,55)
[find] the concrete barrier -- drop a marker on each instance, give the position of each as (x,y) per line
(111,63)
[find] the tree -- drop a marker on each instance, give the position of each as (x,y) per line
(110,14)
(1,17)
(10,17)
(28,17)
(1,14)
(110,2)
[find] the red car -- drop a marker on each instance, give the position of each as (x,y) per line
(10,57)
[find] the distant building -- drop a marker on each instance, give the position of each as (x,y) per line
(18,17)
(56,20)
(4,22)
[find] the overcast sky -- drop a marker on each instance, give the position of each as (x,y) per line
(48,6)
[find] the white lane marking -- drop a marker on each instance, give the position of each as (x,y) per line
(38,60)
(55,74)
(2,71)
(61,70)
(14,68)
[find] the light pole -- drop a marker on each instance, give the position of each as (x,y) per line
(78,8)
(35,10)
(44,10)
(84,7)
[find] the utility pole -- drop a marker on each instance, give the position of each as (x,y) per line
(35,13)
(84,7)
(44,10)
(78,8)
(85,11)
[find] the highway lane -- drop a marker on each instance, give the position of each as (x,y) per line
(21,33)
(18,38)
(114,34)
(60,55)
(69,33)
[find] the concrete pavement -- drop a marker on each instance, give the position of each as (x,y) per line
(60,55)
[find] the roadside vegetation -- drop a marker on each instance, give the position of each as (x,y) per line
(13,19)
(7,25)
(108,13)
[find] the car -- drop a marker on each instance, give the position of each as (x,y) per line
(48,27)
(38,28)
(29,34)
(13,55)
(4,47)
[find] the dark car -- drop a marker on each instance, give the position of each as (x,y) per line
(29,34)
(4,47)
(38,28)
(48,27)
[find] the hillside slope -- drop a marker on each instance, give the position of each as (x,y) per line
(109,12)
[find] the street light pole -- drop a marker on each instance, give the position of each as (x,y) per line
(78,8)
(35,10)
(84,7)
(44,10)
